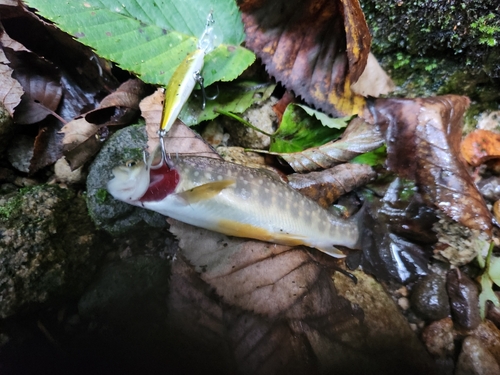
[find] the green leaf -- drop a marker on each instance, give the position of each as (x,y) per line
(233,97)
(487,294)
(494,269)
(372,158)
(152,37)
(299,131)
(331,122)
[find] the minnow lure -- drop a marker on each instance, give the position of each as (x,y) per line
(234,200)
(185,77)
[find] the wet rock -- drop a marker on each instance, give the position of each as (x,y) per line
(384,332)
(439,338)
(475,359)
(262,117)
(493,312)
(489,335)
(48,247)
(490,188)
(108,213)
(464,299)
(429,298)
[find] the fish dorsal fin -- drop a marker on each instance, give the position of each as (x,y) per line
(205,191)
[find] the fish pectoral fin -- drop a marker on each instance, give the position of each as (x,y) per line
(205,191)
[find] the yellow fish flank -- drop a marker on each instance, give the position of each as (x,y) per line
(243,202)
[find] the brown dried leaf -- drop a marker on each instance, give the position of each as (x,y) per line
(374,81)
(228,340)
(80,142)
(250,274)
(121,106)
(77,131)
(358,138)
(10,89)
(331,340)
(480,146)
(327,186)
(180,139)
(40,81)
(317,48)
(423,144)
(47,148)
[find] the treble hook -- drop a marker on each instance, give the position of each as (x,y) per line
(199,79)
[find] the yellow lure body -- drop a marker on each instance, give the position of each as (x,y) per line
(180,87)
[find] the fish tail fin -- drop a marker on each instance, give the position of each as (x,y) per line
(357,221)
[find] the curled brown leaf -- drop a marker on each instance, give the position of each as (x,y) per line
(317,48)
(423,144)
(327,186)
(358,138)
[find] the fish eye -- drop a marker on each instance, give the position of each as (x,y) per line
(130,163)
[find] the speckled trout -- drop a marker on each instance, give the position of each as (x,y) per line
(234,200)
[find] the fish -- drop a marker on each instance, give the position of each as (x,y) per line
(234,200)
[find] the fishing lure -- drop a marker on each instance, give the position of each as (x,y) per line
(184,79)
(235,200)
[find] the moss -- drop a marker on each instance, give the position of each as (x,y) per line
(101,195)
(436,47)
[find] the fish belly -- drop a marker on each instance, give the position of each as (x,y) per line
(289,218)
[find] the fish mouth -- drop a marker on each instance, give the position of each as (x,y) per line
(162,182)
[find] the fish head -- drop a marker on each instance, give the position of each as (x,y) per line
(131,181)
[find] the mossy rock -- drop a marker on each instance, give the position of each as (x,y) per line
(436,47)
(48,245)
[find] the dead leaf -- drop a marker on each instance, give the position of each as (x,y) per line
(374,81)
(180,139)
(249,274)
(334,339)
(40,81)
(10,89)
(76,132)
(480,146)
(46,150)
(327,186)
(121,106)
(358,138)
(227,340)
(423,144)
(316,48)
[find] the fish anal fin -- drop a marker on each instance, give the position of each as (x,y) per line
(205,191)
(233,228)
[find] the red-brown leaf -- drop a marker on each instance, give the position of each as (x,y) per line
(480,146)
(327,186)
(423,143)
(317,48)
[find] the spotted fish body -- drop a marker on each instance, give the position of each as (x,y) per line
(238,201)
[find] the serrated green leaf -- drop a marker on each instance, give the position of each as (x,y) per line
(372,158)
(152,37)
(331,122)
(233,97)
(299,131)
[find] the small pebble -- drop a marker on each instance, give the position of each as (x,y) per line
(404,303)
